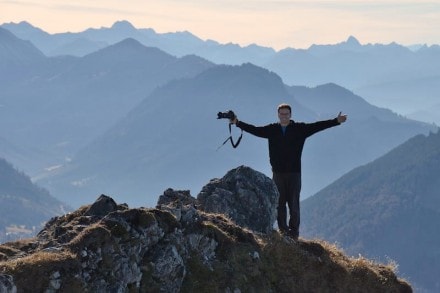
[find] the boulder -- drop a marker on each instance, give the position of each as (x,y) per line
(247,197)
(102,206)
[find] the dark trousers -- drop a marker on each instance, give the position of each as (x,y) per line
(289,188)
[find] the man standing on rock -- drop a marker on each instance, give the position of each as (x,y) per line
(286,142)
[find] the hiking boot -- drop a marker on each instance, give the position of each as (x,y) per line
(289,233)
(283,232)
(292,234)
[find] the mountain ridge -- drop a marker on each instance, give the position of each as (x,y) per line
(26,29)
(17,56)
(359,67)
(386,207)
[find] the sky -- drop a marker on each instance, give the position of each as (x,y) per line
(272,23)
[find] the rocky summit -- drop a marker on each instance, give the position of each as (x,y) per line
(221,241)
(248,197)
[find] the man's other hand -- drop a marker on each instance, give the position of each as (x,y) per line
(341,118)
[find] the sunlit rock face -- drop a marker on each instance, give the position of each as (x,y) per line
(246,196)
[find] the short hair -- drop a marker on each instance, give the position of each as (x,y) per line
(284,106)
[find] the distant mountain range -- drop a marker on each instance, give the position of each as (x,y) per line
(403,79)
(65,102)
(170,139)
(387,208)
(130,121)
(24,207)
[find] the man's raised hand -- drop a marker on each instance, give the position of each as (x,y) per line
(341,118)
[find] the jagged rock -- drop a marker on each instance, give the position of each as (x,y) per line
(102,206)
(7,284)
(177,247)
(246,196)
(169,268)
(179,198)
(178,203)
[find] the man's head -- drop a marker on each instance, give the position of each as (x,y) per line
(284,114)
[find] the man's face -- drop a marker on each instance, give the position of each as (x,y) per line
(284,116)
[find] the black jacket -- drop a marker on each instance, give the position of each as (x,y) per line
(285,150)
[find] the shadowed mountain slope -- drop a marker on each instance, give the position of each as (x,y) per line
(387,208)
(24,207)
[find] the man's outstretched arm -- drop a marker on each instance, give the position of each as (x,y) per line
(263,131)
(312,128)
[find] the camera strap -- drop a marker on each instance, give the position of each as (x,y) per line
(234,145)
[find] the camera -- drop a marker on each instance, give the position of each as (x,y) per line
(226,115)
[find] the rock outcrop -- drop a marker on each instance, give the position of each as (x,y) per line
(181,247)
(246,196)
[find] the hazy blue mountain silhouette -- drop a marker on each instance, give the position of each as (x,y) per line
(53,44)
(390,75)
(387,208)
(370,133)
(17,56)
(178,43)
(170,139)
(67,101)
(24,207)
(15,51)
(21,61)
(22,65)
